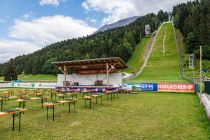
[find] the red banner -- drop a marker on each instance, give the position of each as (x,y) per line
(176,88)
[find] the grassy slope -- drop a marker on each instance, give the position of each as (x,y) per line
(165,116)
(162,68)
(36,77)
(137,57)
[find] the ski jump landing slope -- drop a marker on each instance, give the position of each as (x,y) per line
(162,64)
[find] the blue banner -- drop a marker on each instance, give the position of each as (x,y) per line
(144,86)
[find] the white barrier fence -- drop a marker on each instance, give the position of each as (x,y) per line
(28,85)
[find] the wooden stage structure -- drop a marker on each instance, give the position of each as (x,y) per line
(91,66)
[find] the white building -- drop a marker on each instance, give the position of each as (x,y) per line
(147,30)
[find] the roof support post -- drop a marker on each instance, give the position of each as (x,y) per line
(65,70)
(107,74)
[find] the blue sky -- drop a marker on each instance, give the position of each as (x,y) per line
(29,25)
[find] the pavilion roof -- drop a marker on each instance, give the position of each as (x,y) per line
(93,65)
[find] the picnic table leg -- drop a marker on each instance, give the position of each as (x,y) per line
(19,120)
(24,104)
(42,103)
(111,96)
(13,121)
(53,113)
(74,107)
(69,107)
(1,105)
(47,112)
(90,103)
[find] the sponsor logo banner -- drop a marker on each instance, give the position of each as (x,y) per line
(176,88)
(144,86)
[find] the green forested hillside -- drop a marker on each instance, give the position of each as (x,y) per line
(193,20)
(119,42)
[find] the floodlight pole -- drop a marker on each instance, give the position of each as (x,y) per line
(201,79)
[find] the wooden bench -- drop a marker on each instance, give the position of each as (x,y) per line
(15,113)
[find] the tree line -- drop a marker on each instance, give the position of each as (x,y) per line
(193,20)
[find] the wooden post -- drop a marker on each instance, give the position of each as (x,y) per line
(65,73)
(107,74)
(201,79)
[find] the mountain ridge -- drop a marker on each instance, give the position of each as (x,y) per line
(120,23)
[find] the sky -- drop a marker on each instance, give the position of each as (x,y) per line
(29,25)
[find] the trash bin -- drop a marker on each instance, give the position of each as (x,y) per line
(207,86)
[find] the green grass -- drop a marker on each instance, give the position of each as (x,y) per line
(149,116)
(1,78)
(37,77)
(162,67)
(137,57)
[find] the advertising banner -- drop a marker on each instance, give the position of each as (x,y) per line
(176,88)
(144,86)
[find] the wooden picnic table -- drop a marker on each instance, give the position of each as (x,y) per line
(111,93)
(88,98)
(42,98)
(87,92)
(51,105)
(51,92)
(72,94)
(22,102)
(15,113)
(96,96)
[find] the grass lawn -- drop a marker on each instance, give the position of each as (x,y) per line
(36,77)
(137,57)
(162,67)
(150,116)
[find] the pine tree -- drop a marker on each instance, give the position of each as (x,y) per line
(9,71)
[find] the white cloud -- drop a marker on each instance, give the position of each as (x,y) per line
(49,2)
(119,9)
(28,16)
(2,20)
(34,34)
(51,29)
(91,21)
(10,49)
